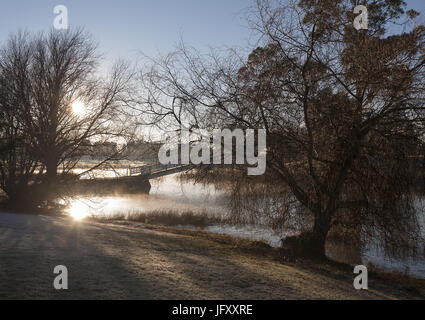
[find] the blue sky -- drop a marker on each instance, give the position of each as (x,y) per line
(124,28)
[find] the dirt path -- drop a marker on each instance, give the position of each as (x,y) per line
(128,261)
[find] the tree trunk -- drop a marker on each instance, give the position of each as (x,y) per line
(48,192)
(51,170)
(320,231)
(310,244)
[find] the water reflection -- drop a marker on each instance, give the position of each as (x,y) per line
(78,210)
(167,194)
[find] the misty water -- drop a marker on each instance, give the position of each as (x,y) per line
(171,194)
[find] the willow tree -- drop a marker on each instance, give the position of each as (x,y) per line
(343,109)
(350,105)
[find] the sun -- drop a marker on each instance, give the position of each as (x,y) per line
(78,108)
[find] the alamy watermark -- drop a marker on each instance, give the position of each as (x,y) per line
(361,21)
(60,22)
(216,147)
(61,281)
(361,281)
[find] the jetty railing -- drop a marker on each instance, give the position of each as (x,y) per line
(148,170)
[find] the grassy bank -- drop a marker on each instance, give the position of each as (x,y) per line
(133,260)
(391,283)
(172,222)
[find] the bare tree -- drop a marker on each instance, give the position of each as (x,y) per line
(52,85)
(18,161)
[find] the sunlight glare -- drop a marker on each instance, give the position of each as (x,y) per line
(78,210)
(78,108)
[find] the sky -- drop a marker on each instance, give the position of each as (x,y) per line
(125,28)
